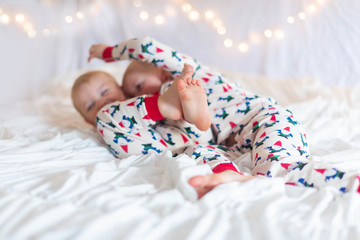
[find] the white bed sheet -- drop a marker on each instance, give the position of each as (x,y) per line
(58,180)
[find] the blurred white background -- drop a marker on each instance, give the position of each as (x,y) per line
(40,39)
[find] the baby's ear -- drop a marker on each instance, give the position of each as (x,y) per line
(164,74)
(160,69)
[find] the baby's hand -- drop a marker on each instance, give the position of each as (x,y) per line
(96,51)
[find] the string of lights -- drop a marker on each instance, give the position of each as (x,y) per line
(194,15)
(254,38)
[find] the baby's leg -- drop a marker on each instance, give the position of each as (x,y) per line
(218,158)
(186,98)
(280,149)
(194,103)
(276,140)
(169,102)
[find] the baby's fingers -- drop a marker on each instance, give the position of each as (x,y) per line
(91,53)
(91,56)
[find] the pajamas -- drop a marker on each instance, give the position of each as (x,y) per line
(129,128)
(276,140)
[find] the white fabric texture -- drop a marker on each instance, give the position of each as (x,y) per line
(59,181)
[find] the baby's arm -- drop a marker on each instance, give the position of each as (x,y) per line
(132,120)
(146,50)
(127,126)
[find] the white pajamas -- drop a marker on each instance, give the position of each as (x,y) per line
(276,140)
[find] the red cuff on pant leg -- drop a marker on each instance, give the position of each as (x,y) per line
(225,166)
(107,55)
(152,107)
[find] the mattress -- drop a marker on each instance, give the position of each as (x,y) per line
(59,181)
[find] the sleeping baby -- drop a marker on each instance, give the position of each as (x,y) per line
(166,114)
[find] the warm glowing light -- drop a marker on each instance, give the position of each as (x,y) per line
(170,11)
(228,42)
(243,47)
(19,18)
(290,19)
(144,15)
(31,34)
(28,27)
(279,34)
(159,19)
(312,8)
(301,15)
(194,15)
(5,19)
(94,8)
(46,32)
(221,30)
(186,7)
(217,23)
(68,19)
(209,15)
(80,15)
(0,10)
(255,38)
(268,33)
(137,3)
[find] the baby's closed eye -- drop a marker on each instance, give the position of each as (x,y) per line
(104,92)
(90,106)
(139,87)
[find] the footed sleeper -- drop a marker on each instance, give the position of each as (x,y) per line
(277,142)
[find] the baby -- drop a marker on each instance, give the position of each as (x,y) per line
(144,78)
(93,90)
(241,120)
(184,99)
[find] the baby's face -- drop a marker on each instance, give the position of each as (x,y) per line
(139,82)
(90,97)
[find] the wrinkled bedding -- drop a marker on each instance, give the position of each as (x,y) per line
(59,181)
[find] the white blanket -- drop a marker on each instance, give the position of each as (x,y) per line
(59,181)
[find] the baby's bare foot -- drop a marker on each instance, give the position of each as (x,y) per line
(204,184)
(169,102)
(170,105)
(194,103)
(187,72)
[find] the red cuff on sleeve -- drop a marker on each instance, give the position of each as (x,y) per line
(225,166)
(107,54)
(152,107)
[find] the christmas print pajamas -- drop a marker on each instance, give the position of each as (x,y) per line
(277,142)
